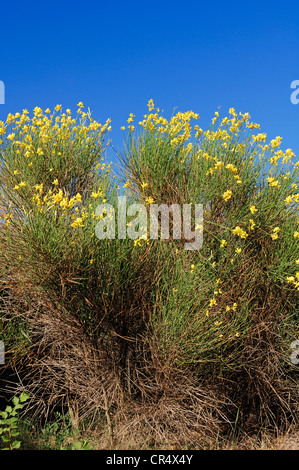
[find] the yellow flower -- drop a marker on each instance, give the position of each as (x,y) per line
(139,241)
(55,182)
(253,209)
(252,222)
(150,200)
(64,202)
(39,187)
(288,199)
(213,302)
(150,105)
(218,165)
(276,142)
(227,195)
(58,197)
(273,182)
(144,185)
(131,118)
(78,222)
(231,168)
(238,250)
(238,231)
(223,243)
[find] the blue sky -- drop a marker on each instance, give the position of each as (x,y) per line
(192,55)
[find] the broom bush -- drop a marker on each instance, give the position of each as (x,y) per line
(166,342)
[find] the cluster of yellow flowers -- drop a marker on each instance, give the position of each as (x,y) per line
(213,303)
(141,241)
(37,132)
(292,198)
(275,235)
(35,142)
(294,279)
(218,166)
(273,182)
(227,195)
(41,137)
(178,127)
(55,197)
(240,232)
(223,138)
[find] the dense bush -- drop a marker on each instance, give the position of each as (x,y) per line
(167,342)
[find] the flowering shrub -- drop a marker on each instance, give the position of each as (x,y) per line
(250,191)
(128,318)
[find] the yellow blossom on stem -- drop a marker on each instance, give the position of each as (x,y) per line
(150,200)
(238,231)
(227,195)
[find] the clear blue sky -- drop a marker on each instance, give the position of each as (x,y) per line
(114,56)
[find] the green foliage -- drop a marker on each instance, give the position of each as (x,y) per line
(78,446)
(60,435)
(9,423)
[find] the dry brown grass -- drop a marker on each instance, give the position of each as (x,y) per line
(147,401)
